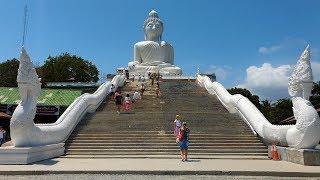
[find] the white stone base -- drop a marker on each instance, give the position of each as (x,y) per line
(307,157)
(163,70)
(27,155)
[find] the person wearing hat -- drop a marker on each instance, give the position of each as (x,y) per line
(183,141)
(176,126)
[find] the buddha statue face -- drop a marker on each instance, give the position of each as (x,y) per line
(153,27)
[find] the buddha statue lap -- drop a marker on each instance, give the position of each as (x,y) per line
(153,54)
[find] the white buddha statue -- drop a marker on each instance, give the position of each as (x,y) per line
(153,54)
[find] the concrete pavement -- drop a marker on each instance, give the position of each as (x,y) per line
(147,166)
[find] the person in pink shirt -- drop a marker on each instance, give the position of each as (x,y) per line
(176,125)
(127,103)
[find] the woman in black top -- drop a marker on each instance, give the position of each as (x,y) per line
(118,99)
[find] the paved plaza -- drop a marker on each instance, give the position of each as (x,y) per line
(143,177)
(140,166)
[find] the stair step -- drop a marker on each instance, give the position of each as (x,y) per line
(167,144)
(192,138)
(170,153)
(193,156)
(160,141)
(164,147)
(169,134)
(168,150)
(147,131)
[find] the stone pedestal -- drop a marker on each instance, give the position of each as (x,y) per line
(27,155)
(169,70)
(307,157)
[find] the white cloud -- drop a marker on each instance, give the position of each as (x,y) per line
(272,82)
(267,81)
(267,50)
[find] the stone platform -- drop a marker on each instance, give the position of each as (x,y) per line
(26,155)
(307,157)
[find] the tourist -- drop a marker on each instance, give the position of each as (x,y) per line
(143,79)
(118,99)
(136,96)
(2,135)
(111,90)
(157,91)
(127,74)
(152,78)
(158,76)
(139,78)
(143,88)
(176,126)
(183,141)
(149,75)
(127,103)
(133,78)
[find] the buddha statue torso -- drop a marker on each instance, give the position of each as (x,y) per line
(153,54)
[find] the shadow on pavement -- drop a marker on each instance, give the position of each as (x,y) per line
(46,162)
(193,160)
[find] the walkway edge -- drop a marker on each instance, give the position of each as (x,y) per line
(229,173)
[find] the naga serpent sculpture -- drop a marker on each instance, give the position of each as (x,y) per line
(24,133)
(304,134)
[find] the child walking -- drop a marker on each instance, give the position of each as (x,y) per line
(127,103)
(176,125)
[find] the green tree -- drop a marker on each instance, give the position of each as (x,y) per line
(316,88)
(8,73)
(66,67)
(315,97)
(281,110)
(266,109)
(246,93)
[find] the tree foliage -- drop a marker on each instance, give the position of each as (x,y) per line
(315,97)
(266,109)
(68,67)
(8,73)
(278,111)
(246,93)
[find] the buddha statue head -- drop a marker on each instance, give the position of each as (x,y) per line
(153,27)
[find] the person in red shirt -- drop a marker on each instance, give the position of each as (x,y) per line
(183,141)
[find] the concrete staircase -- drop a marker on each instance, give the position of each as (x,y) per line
(147,130)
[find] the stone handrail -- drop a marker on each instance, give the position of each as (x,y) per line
(24,133)
(305,134)
(44,134)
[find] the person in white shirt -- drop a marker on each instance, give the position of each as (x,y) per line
(111,90)
(136,96)
(127,103)
(142,89)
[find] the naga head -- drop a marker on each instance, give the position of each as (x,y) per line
(301,80)
(28,80)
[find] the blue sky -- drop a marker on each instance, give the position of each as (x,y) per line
(248,43)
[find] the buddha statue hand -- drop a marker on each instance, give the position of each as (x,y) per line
(133,64)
